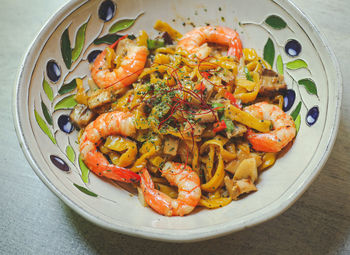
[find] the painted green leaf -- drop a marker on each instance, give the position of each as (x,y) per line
(44,127)
(66,49)
(110,39)
(275,22)
(66,103)
(46,113)
(310,86)
(70,153)
(79,42)
(279,64)
(296,64)
(85,190)
(296,111)
(269,52)
(67,87)
(297,122)
(121,25)
(48,90)
(84,170)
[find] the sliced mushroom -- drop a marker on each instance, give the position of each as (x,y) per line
(232,166)
(185,152)
(205,116)
(238,187)
(238,131)
(170,146)
(271,82)
(195,129)
(81,116)
(100,98)
(247,170)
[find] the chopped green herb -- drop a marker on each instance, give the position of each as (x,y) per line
(219,106)
(247,74)
(230,127)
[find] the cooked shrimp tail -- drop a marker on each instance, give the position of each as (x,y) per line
(189,192)
(283,130)
(112,123)
(97,163)
(129,70)
(194,40)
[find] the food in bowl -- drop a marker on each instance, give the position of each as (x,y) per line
(190,120)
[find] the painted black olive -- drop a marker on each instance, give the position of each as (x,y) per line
(312,115)
(293,48)
(93,55)
(65,124)
(288,100)
(53,71)
(106,10)
(59,163)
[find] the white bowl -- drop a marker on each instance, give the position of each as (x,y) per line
(38,100)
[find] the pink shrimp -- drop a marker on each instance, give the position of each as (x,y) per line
(189,192)
(192,40)
(283,128)
(111,123)
(128,71)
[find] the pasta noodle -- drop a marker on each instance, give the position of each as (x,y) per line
(190,109)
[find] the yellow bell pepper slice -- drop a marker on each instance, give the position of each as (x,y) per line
(157,161)
(249,54)
(141,40)
(165,27)
(142,161)
(166,50)
(268,160)
(249,96)
(220,142)
(161,59)
(123,102)
(214,203)
(247,119)
(81,97)
(120,144)
(154,68)
(217,179)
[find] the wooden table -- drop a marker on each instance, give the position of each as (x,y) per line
(34,221)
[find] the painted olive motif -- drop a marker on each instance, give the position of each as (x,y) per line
(59,163)
(312,115)
(93,55)
(293,48)
(65,124)
(53,71)
(288,99)
(106,10)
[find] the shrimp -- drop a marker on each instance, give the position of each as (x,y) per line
(111,123)
(193,40)
(189,192)
(283,128)
(130,68)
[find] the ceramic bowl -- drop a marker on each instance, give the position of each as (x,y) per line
(60,55)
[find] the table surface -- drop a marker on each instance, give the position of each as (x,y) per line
(34,221)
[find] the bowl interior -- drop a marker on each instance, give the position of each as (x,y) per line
(44,94)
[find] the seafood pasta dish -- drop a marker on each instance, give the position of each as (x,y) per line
(189,120)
